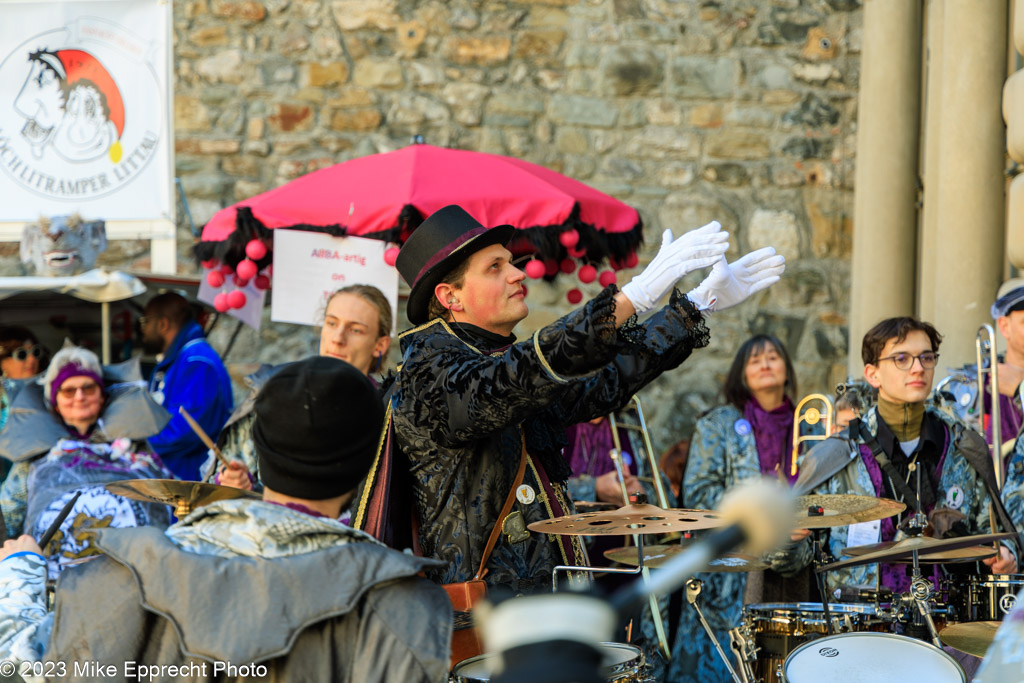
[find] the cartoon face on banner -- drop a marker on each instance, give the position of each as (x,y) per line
(63,245)
(82,117)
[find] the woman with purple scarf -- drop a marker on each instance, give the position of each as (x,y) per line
(748,437)
(71,434)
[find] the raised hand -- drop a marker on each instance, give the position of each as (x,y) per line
(695,250)
(731,283)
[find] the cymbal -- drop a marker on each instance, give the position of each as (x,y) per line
(628,520)
(844,509)
(185,496)
(923,544)
(904,549)
(973,637)
(657,555)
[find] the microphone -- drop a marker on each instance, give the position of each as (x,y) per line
(759,513)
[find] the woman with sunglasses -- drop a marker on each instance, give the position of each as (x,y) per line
(69,435)
(20,354)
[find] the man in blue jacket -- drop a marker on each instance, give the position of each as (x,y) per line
(190,374)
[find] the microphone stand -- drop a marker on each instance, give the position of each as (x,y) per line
(693,588)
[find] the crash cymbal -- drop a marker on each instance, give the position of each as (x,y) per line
(185,496)
(923,545)
(843,509)
(628,520)
(905,551)
(973,637)
(657,555)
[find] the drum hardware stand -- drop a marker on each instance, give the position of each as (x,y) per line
(821,558)
(745,648)
(921,589)
(693,588)
(659,627)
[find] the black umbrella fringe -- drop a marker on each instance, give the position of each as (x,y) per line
(541,240)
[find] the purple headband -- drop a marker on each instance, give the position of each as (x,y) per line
(68,371)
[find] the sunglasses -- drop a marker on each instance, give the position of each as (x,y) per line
(22,354)
(88,390)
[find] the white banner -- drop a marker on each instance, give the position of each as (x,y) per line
(310,266)
(84,109)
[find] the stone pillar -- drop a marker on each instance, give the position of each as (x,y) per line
(884,213)
(931,157)
(969,192)
(1013,114)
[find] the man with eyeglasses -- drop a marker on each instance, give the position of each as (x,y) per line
(894,442)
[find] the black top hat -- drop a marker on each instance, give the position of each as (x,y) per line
(448,237)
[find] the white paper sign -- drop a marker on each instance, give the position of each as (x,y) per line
(310,266)
(84,116)
(864,533)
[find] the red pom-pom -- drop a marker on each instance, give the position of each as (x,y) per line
(211,264)
(574,296)
(588,274)
(567,266)
(550,267)
(632,260)
(535,269)
(226,269)
(606,278)
(569,238)
(261,282)
(220,302)
(255,249)
(391,255)
(247,269)
(239,282)
(215,278)
(577,253)
(236,299)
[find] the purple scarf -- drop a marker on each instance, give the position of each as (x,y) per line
(773,434)
(589,444)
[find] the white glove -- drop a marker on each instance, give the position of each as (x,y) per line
(696,249)
(730,283)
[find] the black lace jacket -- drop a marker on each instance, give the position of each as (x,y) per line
(460,415)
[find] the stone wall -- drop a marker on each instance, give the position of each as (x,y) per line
(691,110)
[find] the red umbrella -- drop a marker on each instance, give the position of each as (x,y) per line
(386,196)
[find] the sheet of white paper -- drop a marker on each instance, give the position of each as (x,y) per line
(863,533)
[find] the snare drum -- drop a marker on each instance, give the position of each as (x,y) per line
(870,658)
(989,597)
(779,628)
(622,664)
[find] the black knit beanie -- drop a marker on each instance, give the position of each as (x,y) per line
(318,423)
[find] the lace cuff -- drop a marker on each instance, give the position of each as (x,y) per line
(693,319)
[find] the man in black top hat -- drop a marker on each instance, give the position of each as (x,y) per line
(470,404)
(276,589)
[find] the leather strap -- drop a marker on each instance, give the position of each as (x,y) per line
(859,430)
(507,508)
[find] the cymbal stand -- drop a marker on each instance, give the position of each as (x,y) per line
(821,559)
(693,589)
(921,589)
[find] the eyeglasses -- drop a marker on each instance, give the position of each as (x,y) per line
(21,353)
(88,390)
(905,361)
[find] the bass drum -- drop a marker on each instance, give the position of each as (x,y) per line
(622,664)
(870,658)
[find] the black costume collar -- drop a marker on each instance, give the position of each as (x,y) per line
(485,340)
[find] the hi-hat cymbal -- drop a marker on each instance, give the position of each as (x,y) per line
(843,509)
(185,496)
(628,520)
(657,555)
(923,545)
(905,549)
(973,637)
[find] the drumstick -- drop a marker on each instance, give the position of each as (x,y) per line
(65,511)
(203,436)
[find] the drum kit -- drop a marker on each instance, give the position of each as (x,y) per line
(858,641)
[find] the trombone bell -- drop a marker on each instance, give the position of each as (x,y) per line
(811,416)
